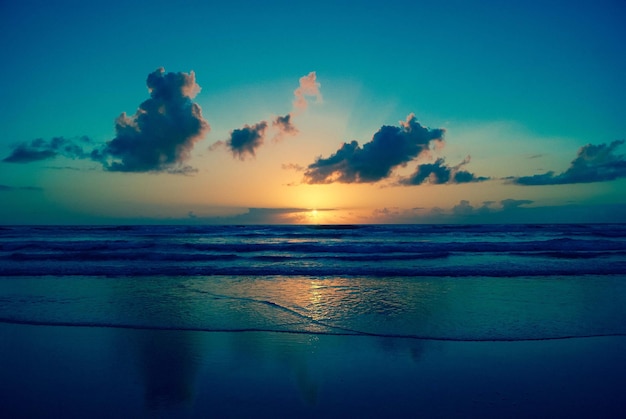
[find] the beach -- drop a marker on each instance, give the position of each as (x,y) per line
(301,321)
(59,371)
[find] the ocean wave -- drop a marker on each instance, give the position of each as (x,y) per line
(372,250)
(568,254)
(95,256)
(163,268)
(319,246)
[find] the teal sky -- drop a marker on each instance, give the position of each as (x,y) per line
(532,91)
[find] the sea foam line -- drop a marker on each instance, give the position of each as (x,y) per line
(297,332)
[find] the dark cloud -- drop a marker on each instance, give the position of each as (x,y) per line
(387,213)
(390,147)
(159,137)
(6,188)
(508,204)
(594,163)
(463,208)
(40,149)
(270,216)
(246,140)
(285,125)
(439,173)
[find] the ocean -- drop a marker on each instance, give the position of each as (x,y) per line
(313,320)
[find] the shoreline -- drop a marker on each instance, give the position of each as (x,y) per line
(348,333)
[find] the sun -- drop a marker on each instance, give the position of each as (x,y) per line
(313,215)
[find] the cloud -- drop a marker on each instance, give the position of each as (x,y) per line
(308,87)
(509,204)
(160,136)
(488,212)
(292,166)
(269,216)
(6,188)
(40,149)
(246,140)
(463,208)
(593,163)
(439,173)
(284,125)
(390,147)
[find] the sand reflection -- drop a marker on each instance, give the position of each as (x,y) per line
(212,321)
(168,363)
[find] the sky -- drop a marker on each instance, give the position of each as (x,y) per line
(246,112)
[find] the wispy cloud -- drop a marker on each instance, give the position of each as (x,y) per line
(40,149)
(464,208)
(309,86)
(593,163)
(285,126)
(389,148)
(508,204)
(462,212)
(269,216)
(7,188)
(293,166)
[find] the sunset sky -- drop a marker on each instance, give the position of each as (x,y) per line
(337,111)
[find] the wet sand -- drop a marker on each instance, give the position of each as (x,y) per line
(58,371)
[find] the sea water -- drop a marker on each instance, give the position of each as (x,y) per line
(312,320)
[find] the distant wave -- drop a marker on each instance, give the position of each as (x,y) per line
(356,250)
(343,246)
(164,269)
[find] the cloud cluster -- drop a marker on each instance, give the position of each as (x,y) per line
(245,141)
(439,173)
(487,209)
(159,137)
(594,163)
(389,148)
(464,208)
(161,134)
(40,149)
